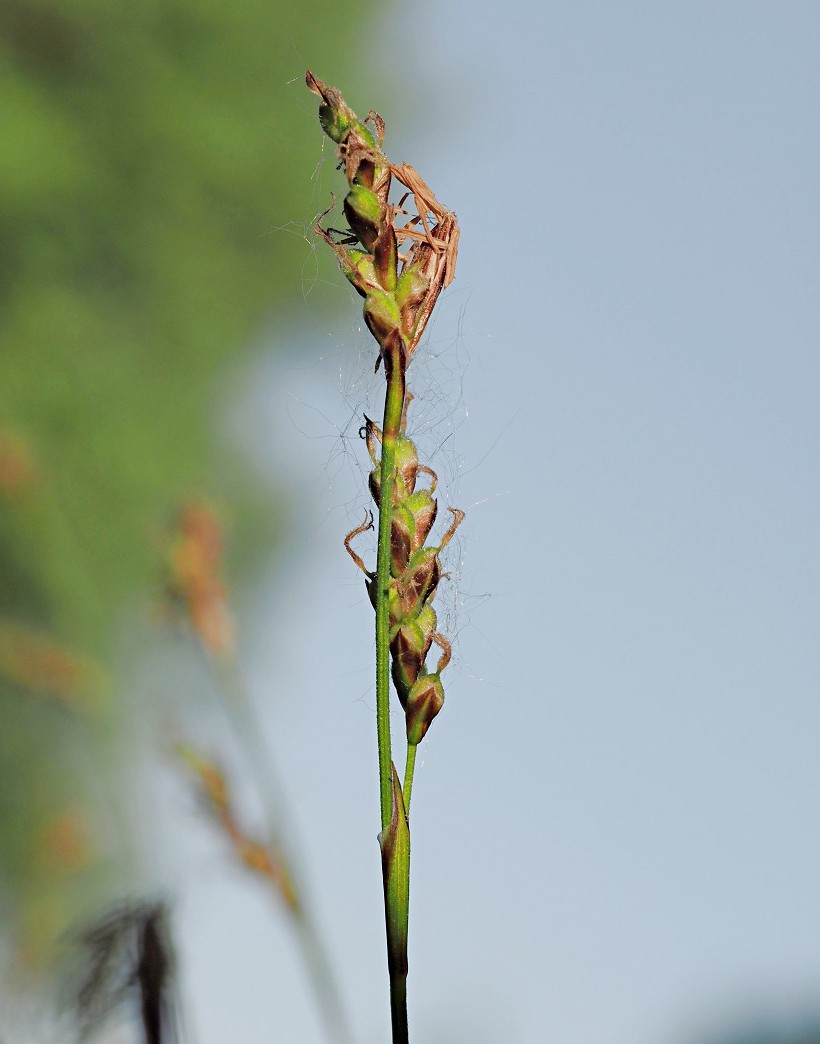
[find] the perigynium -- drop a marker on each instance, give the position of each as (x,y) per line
(399,262)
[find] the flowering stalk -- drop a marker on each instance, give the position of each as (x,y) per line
(400,290)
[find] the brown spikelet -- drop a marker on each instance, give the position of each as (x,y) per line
(255,856)
(194,577)
(43,667)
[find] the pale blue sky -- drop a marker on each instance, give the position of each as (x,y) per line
(616,814)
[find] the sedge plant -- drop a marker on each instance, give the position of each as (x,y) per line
(398,260)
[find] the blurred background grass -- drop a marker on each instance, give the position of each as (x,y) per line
(147,156)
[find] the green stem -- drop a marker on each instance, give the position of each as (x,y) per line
(409,768)
(395,846)
(394,822)
(398,1009)
(393,408)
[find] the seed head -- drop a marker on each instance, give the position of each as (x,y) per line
(424,702)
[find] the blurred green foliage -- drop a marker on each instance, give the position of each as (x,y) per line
(149,153)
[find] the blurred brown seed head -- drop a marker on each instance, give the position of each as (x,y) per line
(43,667)
(18,471)
(195,584)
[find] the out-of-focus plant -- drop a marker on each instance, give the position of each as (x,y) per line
(196,591)
(762,1030)
(127,957)
(143,179)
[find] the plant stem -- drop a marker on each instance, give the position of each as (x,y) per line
(395,846)
(393,409)
(398,1009)
(408,775)
(393,818)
